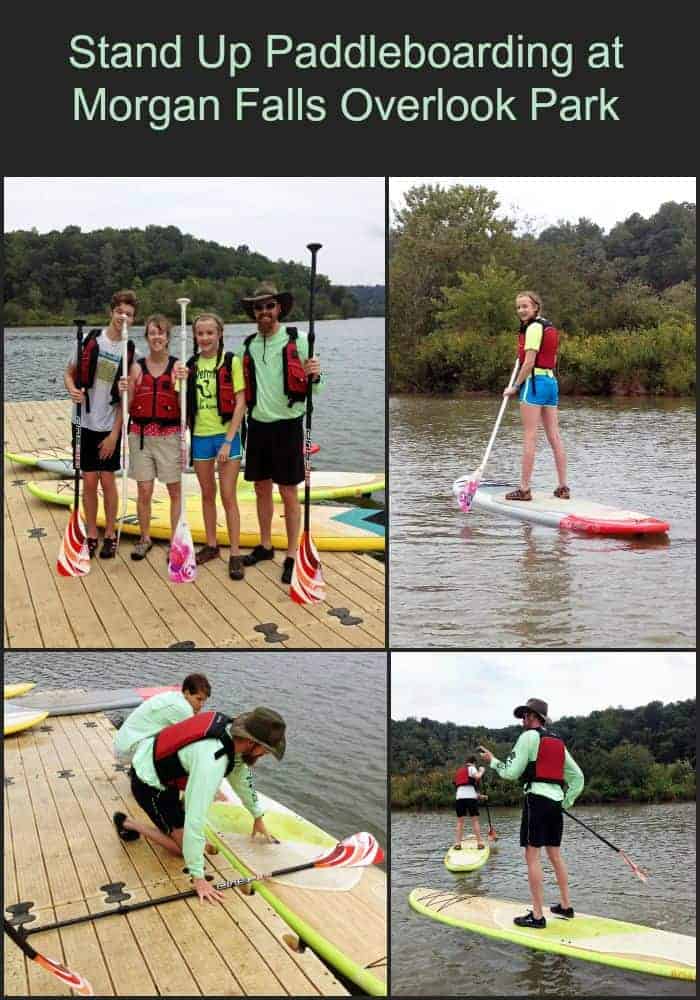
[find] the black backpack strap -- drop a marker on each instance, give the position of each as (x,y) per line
(292,332)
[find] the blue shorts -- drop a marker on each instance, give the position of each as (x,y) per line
(545,391)
(206,447)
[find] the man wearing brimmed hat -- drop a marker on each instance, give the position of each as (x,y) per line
(276,367)
(545,767)
(196,754)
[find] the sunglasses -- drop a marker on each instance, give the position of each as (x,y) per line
(265,306)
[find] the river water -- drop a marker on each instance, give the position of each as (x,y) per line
(334,770)
(432,959)
(348,419)
(480,580)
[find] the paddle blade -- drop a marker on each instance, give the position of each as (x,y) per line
(493,836)
(359,850)
(641,874)
(307,585)
(182,567)
(72,980)
(465,488)
(74,557)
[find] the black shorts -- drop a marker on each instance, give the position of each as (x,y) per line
(164,808)
(275,451)
(90,460)
(464,806)
(542,823)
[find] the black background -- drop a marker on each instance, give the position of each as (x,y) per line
(653,137)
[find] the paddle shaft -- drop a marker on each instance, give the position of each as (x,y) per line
(501,411)
(183,403)
(125,424)
(313,248)
(257,878)
(121,909)
(591,830)
(80,323)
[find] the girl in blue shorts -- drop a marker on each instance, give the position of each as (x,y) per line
(538,391)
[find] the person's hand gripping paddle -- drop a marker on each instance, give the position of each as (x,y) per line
(307,586)
(74,556)
(182,567)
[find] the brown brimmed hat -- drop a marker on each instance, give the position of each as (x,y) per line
(264,726)
(265,291)
(535,705)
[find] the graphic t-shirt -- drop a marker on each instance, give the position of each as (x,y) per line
(207,421)
(102,409)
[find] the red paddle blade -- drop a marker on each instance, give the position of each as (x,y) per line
(182,566)
(307,585)
(71,979)
(641,874)
(493,836)
(359,850)
(74,557)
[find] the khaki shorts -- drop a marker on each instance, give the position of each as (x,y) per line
(158,459)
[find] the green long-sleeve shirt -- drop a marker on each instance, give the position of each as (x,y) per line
(524,751)
(149,718)
(205,774)
(271,403)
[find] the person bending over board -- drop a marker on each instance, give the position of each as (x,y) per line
(98,370)
(160,711)
(467,779)
(537,389)
(545,767)
(195,755)
(276,369)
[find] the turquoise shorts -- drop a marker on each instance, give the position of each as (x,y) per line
(544,392)
(206,447)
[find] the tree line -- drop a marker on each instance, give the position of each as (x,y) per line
(50,278)
(623,300)
(645,754)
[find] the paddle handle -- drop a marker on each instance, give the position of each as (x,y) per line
(80,323)
(501,411)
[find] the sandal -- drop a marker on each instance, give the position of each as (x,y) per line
(92,544)
(563,492)
(235,568)
(519,495)
(258,554)
(206,553)
(287,569)
(109,548)
(118,820)
(141,549)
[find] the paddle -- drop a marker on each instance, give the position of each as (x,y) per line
(493,836)
(182,567)
(74,556)
(125,424)
(466,486)
(307,586)
(641,873)
(357,851)
(71,979)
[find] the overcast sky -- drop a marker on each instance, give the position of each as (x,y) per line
(547,200)
(484,688)
(276,216)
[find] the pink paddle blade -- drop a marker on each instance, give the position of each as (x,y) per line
(74,556)
(356,851)
(182,567)
(465,490)
(73,980)
(307,585)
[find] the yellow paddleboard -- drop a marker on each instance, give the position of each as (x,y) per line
(17,719)
(15,690)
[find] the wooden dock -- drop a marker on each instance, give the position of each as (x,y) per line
(63,859)
(129,605)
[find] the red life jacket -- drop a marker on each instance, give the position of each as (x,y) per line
(463,777)
(155,399)
(547,355)
(549,765)
(225,395)
(202,726)
(88,366)
(295,380)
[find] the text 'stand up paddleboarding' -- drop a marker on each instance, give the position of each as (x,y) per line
(468,857)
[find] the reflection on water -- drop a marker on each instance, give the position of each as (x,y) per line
(428,958)
(480,580)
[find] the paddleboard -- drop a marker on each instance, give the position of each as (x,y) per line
(17,719)
(339,528)
(569,515)
(77,701)
(338,912)
(468,858)
(594,939)
(13,690)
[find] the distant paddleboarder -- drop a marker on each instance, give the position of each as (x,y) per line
(159,711)
(467,780)
(551,779)
(537,389)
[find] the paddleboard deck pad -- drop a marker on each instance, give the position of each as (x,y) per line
(468,858)
(593,939)
(332,527)
(580,515)
(338,912)
(17,719)
(78,701)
